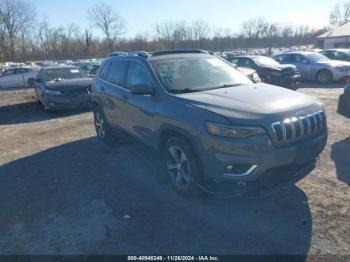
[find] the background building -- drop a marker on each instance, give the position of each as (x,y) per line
(338,37)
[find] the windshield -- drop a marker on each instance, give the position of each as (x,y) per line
(316,57)
(192,74)
(63,73)
(265,61)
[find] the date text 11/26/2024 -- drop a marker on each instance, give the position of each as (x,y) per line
(173,258)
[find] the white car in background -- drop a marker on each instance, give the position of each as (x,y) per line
(17,77)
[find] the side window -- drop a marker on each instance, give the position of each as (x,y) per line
(283,59)
(8,72)
(244,62)
(234,61)
(104,71)
(299,59)
(137,75)
(328,54)
(117,71)
(339,56)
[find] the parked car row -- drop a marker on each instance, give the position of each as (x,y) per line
(289,68)
(270,71)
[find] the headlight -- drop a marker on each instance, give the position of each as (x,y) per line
(256,78)
(340,68)
(275,73)
(52,92)
(233,131)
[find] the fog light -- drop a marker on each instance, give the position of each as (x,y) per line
(237,170)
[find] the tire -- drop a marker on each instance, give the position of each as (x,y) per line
(45,107)
(181,165)
(324,76)
(103,130)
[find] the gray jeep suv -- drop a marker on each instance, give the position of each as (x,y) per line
(208,120)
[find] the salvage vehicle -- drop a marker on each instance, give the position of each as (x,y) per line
(270,71)
(314,66)
(344,101)
(62,87)
(17,77)
(337,54)
(209,122)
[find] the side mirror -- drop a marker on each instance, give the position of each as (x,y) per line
(141,90)
(31,82)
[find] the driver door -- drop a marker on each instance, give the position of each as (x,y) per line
(141,109)
(303,66)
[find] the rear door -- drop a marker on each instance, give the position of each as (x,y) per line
(116,95)
(8,78)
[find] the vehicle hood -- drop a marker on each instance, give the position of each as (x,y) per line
(335,63)
(69,84)
(280,67)
(253,102)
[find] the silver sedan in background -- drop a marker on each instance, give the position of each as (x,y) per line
(17,77)
(316,67)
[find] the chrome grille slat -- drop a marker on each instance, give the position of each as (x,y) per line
(297,127)
(308,125)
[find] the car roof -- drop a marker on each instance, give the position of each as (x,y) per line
(177,56)
(297,53)
(250,56)
(60,67)
(337,49)
(158,55)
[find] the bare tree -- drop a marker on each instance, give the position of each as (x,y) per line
(87,41)
(270,34)
(252,29)
(109,21)
(340,14)
(16,16)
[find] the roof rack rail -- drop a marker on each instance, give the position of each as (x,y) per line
(179,51)
(117,53)
(143,54)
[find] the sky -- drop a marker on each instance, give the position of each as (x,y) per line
(142,15)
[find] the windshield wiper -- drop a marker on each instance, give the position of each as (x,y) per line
(225,86)
(185,90)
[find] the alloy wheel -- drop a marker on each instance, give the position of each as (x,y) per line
(179,168)
(100,125)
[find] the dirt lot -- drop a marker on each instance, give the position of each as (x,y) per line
(62,192)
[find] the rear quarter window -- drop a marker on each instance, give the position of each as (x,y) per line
(104,71)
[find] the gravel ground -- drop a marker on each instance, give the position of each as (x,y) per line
(63,192)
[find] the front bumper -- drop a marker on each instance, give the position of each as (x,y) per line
(292,82)
(57,102)
(344,102)
(340,76)
(258,154)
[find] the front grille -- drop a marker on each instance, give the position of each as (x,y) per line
(75,92)
(297,127)
(289,72)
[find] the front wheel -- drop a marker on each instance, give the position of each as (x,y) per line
(324,77)
(181,165)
